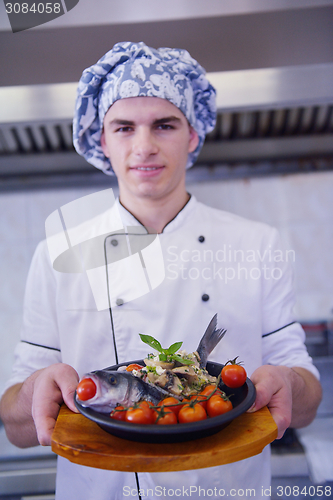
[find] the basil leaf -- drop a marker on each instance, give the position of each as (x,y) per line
(174,348)
(176,357)
(147,339)
(163,357)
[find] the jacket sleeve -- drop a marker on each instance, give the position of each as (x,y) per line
(282,336)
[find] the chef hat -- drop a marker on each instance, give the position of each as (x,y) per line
(133,70)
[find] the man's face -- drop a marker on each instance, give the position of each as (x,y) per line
(148,140)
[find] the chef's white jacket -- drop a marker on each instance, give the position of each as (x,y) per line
(214,262)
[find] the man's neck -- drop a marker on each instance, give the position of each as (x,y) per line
(155,214)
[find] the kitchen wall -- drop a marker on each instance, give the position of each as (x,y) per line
(300,206)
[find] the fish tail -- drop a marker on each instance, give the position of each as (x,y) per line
(209,341)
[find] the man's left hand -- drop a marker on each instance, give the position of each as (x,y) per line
(291,394)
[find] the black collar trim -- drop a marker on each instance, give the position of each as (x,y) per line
(190,196)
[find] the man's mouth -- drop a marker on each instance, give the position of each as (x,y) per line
(147,168)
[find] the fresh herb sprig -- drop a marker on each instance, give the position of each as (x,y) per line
(166,354)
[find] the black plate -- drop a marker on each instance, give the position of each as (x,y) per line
(242,399)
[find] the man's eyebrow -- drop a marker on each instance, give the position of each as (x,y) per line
(120,121)
(167,119)
(159,121)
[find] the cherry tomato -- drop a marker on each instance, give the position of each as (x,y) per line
(133,366)
(119,413)
(171,403)
(200,399)
(206,391)
(217,405)
(86,389)
(233,375)
(141,413)
(191,412)
(165,417)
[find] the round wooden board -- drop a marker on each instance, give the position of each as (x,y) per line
(83,442)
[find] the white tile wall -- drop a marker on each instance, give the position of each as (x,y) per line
(300,206)
(22,226)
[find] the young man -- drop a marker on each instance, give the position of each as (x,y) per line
(143,114)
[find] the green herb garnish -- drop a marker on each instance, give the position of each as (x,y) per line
(165,354)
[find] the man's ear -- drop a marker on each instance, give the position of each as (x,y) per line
(104,146)
(194,140)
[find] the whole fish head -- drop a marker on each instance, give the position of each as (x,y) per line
(112,388)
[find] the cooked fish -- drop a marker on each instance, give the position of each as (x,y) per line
(125,388)
(209,341)
(115,387)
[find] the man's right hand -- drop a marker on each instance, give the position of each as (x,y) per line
(29,410)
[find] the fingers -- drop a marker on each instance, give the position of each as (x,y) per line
(281,414)
(45,414)
(68,392)
(273,390)
(280,406)
(54,385)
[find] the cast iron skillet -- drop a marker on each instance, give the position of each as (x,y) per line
(241,398)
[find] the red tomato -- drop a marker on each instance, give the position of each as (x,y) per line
(86,389)
(119,413)
(233,375)
(171,403)
(141,413)
(217,405)
(133,366)
(165,417)
(206,391)
(201,400)
(191,413)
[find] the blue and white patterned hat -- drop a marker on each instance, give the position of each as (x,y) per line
(133,70)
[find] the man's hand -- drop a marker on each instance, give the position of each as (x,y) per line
(29,410)
(291,394)
(53,386)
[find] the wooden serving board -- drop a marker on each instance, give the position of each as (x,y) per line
(83,442)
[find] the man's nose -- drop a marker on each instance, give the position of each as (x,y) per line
(144,144)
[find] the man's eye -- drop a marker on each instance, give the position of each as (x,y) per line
(165,126)
(124,129)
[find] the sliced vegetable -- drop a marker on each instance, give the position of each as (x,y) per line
(133,366)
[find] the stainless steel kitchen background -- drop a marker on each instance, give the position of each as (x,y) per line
(270,158)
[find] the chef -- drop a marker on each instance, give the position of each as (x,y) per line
(142,115)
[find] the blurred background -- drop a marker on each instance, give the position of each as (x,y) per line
(270,158)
